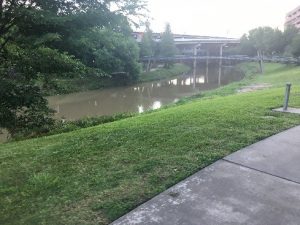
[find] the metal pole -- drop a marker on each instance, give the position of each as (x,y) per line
(287,96)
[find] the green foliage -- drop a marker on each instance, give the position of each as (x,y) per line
(268,41)
(164,73)
(147,46)
(295,46)
(244,48)
(108,50)
(42,41)
(95,175)
(167,44)
(59,127)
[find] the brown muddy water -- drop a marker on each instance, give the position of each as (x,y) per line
(140,97)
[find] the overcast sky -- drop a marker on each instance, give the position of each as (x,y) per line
(229,18)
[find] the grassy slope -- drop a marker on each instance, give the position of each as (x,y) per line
(94,175)
(163,73)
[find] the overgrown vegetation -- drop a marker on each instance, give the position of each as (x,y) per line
(266,41)
(165,48)
(44,41)
(95,175)
(59,126)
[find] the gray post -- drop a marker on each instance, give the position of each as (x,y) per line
(260,61)
(195,63)
(287,96)
(207,64)
(195,66)
(220,64)
(148,65)
(195,60)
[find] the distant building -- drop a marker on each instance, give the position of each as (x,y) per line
(293,18)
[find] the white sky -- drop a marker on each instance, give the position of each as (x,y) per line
(228,18)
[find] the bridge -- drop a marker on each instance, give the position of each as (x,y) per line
(236,58)
(188,44)
(220,59)
(205,48)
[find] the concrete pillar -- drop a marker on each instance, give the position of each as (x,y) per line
(220,64)
(195,66)
(207,64)
(260,61)
(148,65)
(195,63)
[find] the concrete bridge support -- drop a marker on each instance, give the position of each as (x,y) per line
(220,64)
(207,66)
(195,63)
(261,61)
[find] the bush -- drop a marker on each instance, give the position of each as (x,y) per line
(66,126)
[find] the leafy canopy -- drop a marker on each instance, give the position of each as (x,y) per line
(41,40)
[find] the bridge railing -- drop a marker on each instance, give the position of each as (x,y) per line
(287,60)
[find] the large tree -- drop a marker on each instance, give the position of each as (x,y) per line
(43,39)
(267,41)
(261,38)
(147,46)
(167,44)
(295,46)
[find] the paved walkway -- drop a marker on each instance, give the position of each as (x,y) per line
(258,185)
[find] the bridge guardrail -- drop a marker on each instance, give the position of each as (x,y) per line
(233,57)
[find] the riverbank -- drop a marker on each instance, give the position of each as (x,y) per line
(65,86)
(163,73)
(95,175)
(90,108)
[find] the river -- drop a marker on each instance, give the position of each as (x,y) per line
(140,97)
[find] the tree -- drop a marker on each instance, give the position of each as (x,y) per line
(147,44)
(289,34)
(41,40)
(244,48)
(109,51)
(267,40)
(167,45)
(260,39)
(295,46)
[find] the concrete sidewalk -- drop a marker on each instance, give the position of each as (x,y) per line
(258,185)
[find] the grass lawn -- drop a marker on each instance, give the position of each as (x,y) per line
(95,175)
(163,73)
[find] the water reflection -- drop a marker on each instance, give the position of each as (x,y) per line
(140,109)
(156,105)
(137,98)
(173,82)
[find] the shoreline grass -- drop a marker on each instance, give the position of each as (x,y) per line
(163,73)
(97,174)
(72,85)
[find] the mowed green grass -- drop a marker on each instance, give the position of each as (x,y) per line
(95,175)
